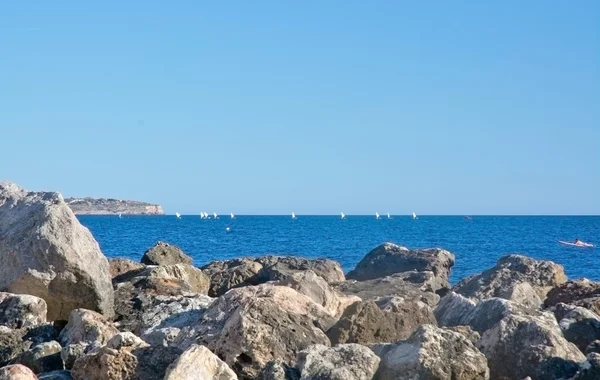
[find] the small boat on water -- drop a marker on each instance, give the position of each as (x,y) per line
(178,215)
(376,215)
(293,216)
(343,216)
(415,216)
(232,216)
(215,216)
(577,243)
(120,216)
(389,217)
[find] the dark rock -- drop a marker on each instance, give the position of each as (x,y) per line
(55,375)
(278,370)
(124,269)
(593,347)
(44,357)
(582,292)
(389,258)
(556,368)
(165,254)
(15,342)
(581,327)
(281,267)
(590,369)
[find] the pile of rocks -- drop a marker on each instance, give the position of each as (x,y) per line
(66,312)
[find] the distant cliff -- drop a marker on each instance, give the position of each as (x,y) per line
(102,206)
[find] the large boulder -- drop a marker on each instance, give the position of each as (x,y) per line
(165,254)
(281,267)
(86,326)
(579,326)
(121,269)
(389,258)
(46,252)
(247,327)
(418,286)
(431,353)
(343,362)
(16,372)
(365,323)
(21,310)
(582,292)
(44,357)
(125,357)
(529,343)
(197,362)
(192,279)
(506,279)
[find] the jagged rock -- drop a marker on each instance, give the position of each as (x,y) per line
(15,342)
(506,278)
(365,323)
(343,362)
(467,332)
(16,372)
(248,327)
(582,292)
(165,254)
(454,310)
(21,310)
(527,342)
(278,370)
(46,252)
(197,362)
(317,289)
(580,326)
(121,269)
(409,285)
(431,353)
(281,267)
(193,279)
(125,357)
(55,375)
(86,326)
(44,357)
(524,294)
(69,354)
(590,369)
(389,258)
(593,347)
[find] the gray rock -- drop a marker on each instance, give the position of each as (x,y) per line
(454,310)
(365,323)
(527,342)
(69,354)
(21,310)
(44,357)
(55,375)
(197,362)
(431,353)
(278,370)
(247,327)
(593,347)
(581,327)
(409,285)
(15,342)
(343,362)
(506,279)
(590,369)
(472,335)
(281,267)
(16,372)
(582,292)
(192,278)
(123,269)
(46,252)
(86,326)
(165,254)
(389,258)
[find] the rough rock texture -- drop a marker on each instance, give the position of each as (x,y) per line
(317,289)
(511,271)
(418,286)
(121,269)
(44,357)
(165,254)
(590,370)
(197,362)
(582,292)
(16,372)
(21,310)
(431,353)
(343,362)
(365,323)
(278,370)
(454,310)
(192,279)
(225,275)
(248,327)
(389,258)
(527,342)
(46,252)
(580,326)
(467,332)
(86,326)
(125,357)
(69,354)
(55,375)
(593,347)
(103,206)
(15,342)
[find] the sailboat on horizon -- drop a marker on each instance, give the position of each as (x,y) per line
(376,215)
(415,215)
(232,216)
(389,217)
(343,216)
(178,215)
(215,216)
(293,215)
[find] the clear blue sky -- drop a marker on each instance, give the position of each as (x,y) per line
(455,107)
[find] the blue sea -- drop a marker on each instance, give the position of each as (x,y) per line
(477,243)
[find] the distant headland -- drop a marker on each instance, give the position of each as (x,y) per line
(103,206)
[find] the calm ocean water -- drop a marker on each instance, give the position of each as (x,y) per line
(477,243)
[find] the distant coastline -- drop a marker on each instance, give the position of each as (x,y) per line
(104,206)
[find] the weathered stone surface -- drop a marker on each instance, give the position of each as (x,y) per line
(582,292)
(197,362)
(281,267)
(467,332)
(527,342)
(121,269)
(505,279)
(16,372)
(365,323)
(454,310)
(86,326)
(21,310)
(69,354)
(431,353)
(278,370)
(46,252)
(593,347)
(580,326)
(55,375)
(165,254)
(316,288)
(524,294)
(193,279)
(44,357)
(590,369)
(389,258)
(15,342)
(247,327)
(409,285)
(343,362)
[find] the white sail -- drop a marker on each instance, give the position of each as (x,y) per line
(389,217)
(414,216)
(376,215)
(343,216)
(178,215)
(215,215)
(293,216)
(232,216)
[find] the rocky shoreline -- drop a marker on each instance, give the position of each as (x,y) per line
(103,206)
(67,312)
